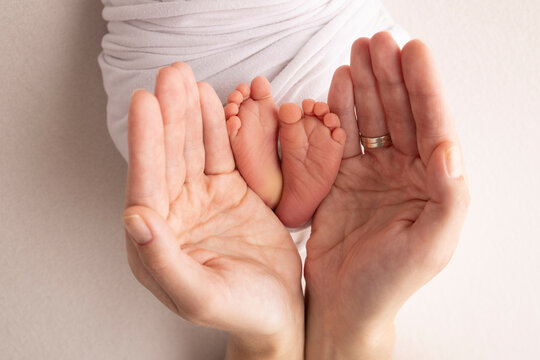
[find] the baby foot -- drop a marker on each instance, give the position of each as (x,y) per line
(312,146)
(252,123)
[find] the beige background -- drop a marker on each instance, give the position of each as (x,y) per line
(65,288)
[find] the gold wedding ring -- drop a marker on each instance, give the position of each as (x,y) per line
(376,142)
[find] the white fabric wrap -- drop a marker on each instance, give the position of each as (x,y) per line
(296,44)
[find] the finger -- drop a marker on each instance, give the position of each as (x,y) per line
(193,146)
(369,110)
(386,61)
(181,277)
(146,183)
(442,218)
(341,103)
(218,154)
(172,100)
(434,123)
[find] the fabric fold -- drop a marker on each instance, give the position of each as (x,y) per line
(296,44)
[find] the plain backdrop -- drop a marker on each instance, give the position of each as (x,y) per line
(66,291)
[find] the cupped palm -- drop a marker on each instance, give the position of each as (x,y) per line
(218,256)
(372,245)
(393,217)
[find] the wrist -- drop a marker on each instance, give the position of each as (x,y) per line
(326,340)
(285,345)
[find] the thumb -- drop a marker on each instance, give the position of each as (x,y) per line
(446,177)
(443,216)
(179,275)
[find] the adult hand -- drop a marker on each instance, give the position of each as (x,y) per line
(393,218)
(197,237)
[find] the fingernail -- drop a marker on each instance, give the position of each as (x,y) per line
(454,167)
(137,228)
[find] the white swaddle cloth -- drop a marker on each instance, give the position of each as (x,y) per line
(296,44)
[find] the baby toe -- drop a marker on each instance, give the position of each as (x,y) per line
(339,135)
(331,121)
(231,109)
(233,125)
(244,90)
(235,97)
(307,106)
(320,109)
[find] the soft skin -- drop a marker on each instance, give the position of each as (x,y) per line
(393,217)
(197,237)
(311,149)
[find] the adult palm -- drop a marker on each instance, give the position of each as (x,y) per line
(393,217)
(197,237)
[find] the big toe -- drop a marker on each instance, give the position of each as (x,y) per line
(260,88)
(290,113)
